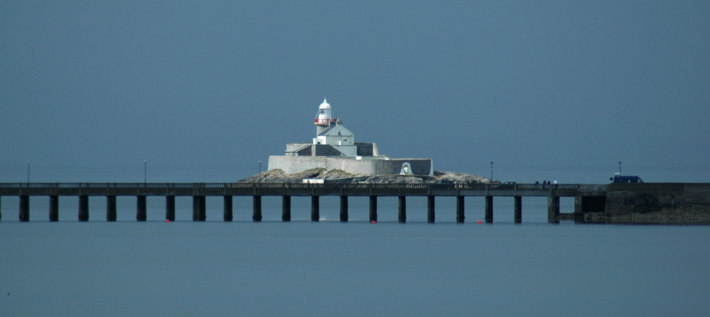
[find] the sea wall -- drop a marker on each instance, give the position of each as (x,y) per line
(297,164)
(655,203)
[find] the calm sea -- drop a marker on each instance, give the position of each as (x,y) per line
(345,269)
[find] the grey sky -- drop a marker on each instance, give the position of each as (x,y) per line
(205,89)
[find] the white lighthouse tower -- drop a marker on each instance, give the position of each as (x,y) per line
(324,118)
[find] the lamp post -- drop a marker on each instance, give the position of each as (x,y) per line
(145,171)
(259,166)
(28,172)
(619,167)
(491,170)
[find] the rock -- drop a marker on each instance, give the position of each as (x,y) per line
(342,177)
(461,178)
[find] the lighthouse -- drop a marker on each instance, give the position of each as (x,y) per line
(334,147)
(330,131)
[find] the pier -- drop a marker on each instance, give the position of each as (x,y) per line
(588,198)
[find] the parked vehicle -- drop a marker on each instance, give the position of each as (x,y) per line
(618,178)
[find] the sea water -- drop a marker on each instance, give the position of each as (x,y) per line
(328,268)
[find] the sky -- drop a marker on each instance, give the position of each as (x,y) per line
(204,90)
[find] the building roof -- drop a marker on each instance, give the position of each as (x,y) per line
(325,104)
(335,129)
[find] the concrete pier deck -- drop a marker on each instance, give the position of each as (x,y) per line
(595,203)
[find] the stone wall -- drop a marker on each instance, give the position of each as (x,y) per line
(655,203)
(297,164)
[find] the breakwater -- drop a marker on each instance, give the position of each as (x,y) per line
(605,203)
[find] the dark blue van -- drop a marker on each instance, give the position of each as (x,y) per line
(625,179)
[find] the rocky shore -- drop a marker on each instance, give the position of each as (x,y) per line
(342,177)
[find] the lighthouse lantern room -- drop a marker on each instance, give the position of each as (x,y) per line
(324,117)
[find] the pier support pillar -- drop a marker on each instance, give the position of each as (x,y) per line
(195,206)
(315,208)
(343,208)
(460,217)
(430,208)
(198,208)
(489,209)
(578,209)
(553,209)
(170,208)
(228,214)
(110,208)
(518,209)
(286,208)
(53,208)
(83,208)
(24,208)
(373,208)
(0,207)
(141,209)
(402,215)
(203,208)
(256,208)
